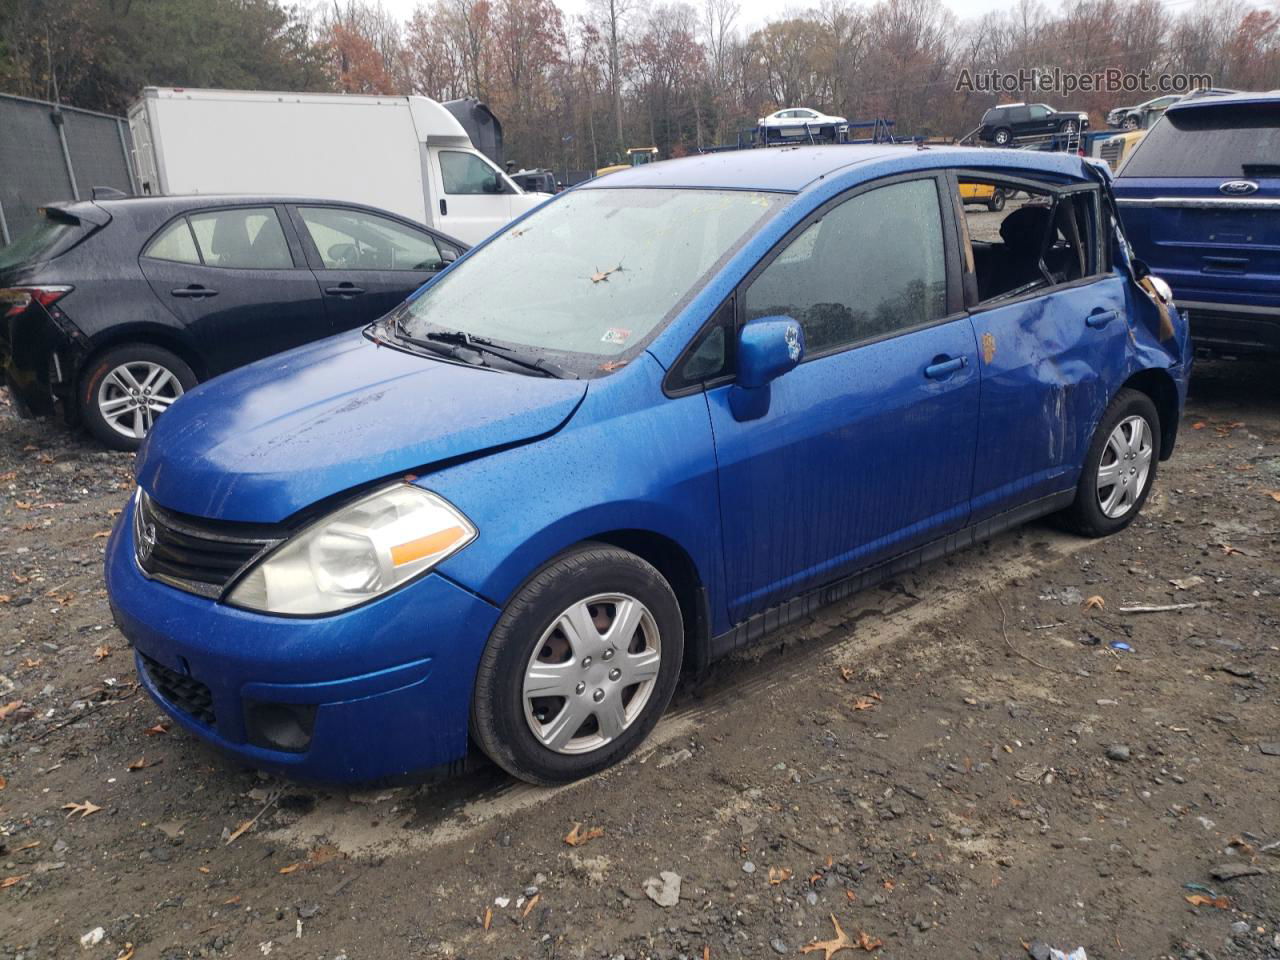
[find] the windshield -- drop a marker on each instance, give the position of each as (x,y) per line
(1210,142)
(36,244)
(590,277)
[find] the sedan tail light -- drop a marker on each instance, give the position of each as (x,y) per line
(17,299)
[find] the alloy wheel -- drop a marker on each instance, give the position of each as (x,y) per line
(592,673)
(1125,467)
(132,395)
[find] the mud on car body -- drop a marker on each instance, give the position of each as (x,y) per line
(651,421)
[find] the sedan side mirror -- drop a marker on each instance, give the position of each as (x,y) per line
(767,348)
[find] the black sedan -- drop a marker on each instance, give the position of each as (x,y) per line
(111,309)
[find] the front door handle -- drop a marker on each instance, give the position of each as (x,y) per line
(344,289)
(944,366)
(193,290)
(444,208)
(1100,318)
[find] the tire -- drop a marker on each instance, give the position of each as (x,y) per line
(996,203)
(105,392)
(1002,137)
(529,645)
(1094,514)
(1069,127)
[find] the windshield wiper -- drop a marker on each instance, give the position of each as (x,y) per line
(448,349)
(461,338)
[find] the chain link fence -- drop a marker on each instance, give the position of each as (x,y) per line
(50,153)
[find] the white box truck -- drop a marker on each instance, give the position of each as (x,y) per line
(405,154)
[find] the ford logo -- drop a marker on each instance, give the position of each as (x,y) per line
(1238,188)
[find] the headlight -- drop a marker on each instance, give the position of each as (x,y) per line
(356,553)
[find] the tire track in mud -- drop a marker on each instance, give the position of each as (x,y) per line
(461,807)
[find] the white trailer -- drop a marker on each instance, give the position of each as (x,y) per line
(404,154)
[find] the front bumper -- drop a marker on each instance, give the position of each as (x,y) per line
(382,690)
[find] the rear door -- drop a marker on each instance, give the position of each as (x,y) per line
(366,263)
(1200,199)
(236,277)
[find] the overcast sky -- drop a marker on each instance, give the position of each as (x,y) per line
(754,12)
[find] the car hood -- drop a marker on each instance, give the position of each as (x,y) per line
(270,439)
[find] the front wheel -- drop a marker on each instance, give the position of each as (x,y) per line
(1070,127)
(1119,468)
(127,388)
(1002,137)
(580,666)
(996,203)
(1131,122)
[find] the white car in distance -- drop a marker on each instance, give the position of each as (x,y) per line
(801,121)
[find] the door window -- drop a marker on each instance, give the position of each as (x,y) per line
(847,278)
(1039,112)
(466,173)
(246,239)
(354,240)
(174,243)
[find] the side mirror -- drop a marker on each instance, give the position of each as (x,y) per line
(767,348)
(447,253)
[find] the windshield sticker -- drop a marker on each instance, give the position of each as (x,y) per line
(616,335)
(600,275)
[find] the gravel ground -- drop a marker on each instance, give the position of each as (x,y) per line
(959,763)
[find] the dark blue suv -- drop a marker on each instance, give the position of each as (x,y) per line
(1200,198)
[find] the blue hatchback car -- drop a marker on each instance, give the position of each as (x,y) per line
(660,416)
(1200,197)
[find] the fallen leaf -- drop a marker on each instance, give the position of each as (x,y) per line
(831,947)
(706,953)
(1200,900)
(867,943)
(27,846)
(1198,426)
(846,674)
(291,867)
(9,708)
(157,729)
(3,783)
(202,869)
(10,881)
(851,896)
(231,902)
(862,703)
(889,884)
(126,953)
(577,836)
(239,831)
(1095,603)
(488,917)
(1228,549)
(1274,495)
(84,809)
(528,907)
(142,763)
(778,874)
(102,534)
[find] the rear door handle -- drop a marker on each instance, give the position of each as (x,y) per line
(944,367)
(1100,318)
(444,208)
(344,289)
(193,290)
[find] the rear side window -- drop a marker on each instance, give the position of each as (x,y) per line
(175,243)
(1211,142)
(846,278)
(247,239)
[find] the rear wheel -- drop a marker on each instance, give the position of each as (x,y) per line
(1119,468)
(1070,126)
(1002,137)
(996,203)
(580,666)
(127,388)
(1131,122)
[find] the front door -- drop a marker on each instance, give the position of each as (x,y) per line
(867,447)
(230,276)
(474,199)
(366,263)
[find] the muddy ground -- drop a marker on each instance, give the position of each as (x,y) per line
(957,764)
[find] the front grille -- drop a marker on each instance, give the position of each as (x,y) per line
(183,692)
(1110,151)
(192,553)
